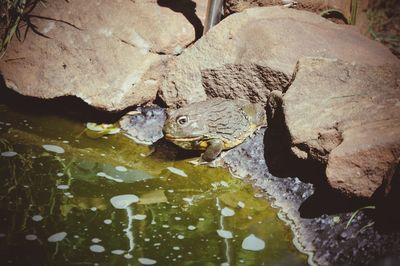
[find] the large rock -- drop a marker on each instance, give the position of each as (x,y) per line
(109,53)
(346,116)
(234,6)
(249,54)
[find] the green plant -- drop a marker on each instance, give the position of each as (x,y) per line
(12,13)
(355,214)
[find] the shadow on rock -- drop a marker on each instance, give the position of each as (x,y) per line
(188,9)
(69,106)
(282,163)
(387,218)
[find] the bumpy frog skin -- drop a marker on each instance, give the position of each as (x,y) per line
(213,125)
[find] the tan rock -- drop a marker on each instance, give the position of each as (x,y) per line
(347,117)
(98,51)
(234,6)
(249,54)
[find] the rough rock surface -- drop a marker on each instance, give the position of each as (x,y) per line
(110,63)
(352,121)
(234,6)
(249,54)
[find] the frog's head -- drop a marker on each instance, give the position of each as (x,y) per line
(185,125)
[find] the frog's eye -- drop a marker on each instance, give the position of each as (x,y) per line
(182,120)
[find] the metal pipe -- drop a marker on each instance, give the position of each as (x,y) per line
(213,14)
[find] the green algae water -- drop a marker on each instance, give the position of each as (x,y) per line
(67,199)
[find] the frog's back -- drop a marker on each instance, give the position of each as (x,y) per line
(233,120)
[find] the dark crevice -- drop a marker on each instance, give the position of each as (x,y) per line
(188,9)
(68,106)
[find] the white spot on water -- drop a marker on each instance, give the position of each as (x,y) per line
(128,256)
(8,154)
(241,204)
(123,201)
(57,237)
(225,234)
(224,184)
(121,168)
(165,226)
(109,177)
(118,252)
(178,218)
(201,219)
(253,243)
(107,221)
(139,217)
(30,237)
(191,227)
(60,174)
(180,236)
(189,200)
(63,187)
(227,212)
(37,218)
(53,148)
(97,248)
(96,240)
(177,171)
(93,209)
(176,248)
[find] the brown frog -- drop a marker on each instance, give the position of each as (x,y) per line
(213,125)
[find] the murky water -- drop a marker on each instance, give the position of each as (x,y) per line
(68,199)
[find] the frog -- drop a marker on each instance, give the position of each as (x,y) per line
(213,125)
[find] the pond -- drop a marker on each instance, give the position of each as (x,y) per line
(67,199)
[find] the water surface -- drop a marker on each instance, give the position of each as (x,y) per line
(68,199)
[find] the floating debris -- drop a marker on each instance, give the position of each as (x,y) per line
(253,243)
(63,187)
(177,171)
(225,234)
(57,237)
(191,227)
(53,148)
(97,248)
(146,261)
(107,221)
(139,217)
(118,252)
(241,204)
(99,130)
(123,201)
(8,154)
(227,212)
(109,177)
(31,237)
(121,168)
(37,218)
(96,240)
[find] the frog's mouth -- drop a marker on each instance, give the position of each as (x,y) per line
(170,137)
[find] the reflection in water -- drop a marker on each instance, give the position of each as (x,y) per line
(68,199)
